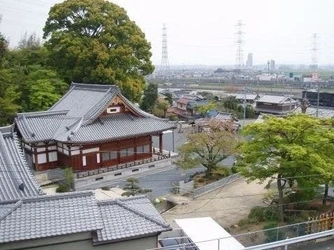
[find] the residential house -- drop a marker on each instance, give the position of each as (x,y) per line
(186,106)
(78,221)
(278,105)
(226,120)
(16,178)
(249,98)
(90,127)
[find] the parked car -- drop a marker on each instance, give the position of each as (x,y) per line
(174,244)
(170,244)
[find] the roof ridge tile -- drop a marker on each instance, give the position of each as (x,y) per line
(59,196)
(16,205)
(42,113)
(140,213)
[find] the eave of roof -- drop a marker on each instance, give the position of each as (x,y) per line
(141,209)
(69,126)
(16,179)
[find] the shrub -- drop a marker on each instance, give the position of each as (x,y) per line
(273,233)
(259,214)
(63,188)
(234,169)
(173,118)
(106,188)
(243,222)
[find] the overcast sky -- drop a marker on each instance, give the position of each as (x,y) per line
(203,32)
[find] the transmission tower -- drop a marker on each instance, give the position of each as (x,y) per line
(314,50)
(164,58)
(239,43)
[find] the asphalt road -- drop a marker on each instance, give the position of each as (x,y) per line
(162,182)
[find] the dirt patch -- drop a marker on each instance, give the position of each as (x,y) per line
(226,205)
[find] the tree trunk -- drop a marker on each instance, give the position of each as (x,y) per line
(324,200)
(280,197)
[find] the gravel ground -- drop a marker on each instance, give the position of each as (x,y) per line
(226,205)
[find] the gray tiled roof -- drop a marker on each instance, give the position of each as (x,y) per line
(117,127)
(129,218)
(75,118)
(14,171)
(275,99)
(48,216)
(40,126)
(246,96)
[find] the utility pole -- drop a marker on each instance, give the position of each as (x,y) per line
(318,99)
(244,106)
(314,49)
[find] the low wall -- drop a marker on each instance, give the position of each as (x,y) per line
(105,178)
(215,185)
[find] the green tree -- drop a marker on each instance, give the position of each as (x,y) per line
(3,46)
(231,103)
(290,150)
(203,109)
(67,184)
(150,97)
(8,106)
(208,148)
(132,188)
(42,95)
(94,41)
(161,108)
(169,98)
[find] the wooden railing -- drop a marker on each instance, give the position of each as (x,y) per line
(157,157)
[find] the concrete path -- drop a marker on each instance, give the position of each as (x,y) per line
(226,205)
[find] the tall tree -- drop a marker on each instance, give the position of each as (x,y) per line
(208,148)
(94,41)
(161,108)
(289,149)
(150,97)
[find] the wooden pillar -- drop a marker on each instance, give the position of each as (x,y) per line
(35,158)
(135,148)
(118,153)
(160,143)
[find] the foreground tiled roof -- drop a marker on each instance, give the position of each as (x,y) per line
(48,216)
(74,118)
(70,213)
(16,179)
(129,218)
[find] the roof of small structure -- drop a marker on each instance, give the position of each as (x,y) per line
(225,119)
(16,179)
(275,99)
(76,118)
(246,96)
(129,217)
(184,100)
(78,212)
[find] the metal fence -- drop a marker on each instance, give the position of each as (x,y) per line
(215,185)
(283,232)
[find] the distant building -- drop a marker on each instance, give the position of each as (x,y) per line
(272,65)
(278,105)
(249,62)
(325,99)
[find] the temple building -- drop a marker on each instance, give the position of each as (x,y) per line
(92,126)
